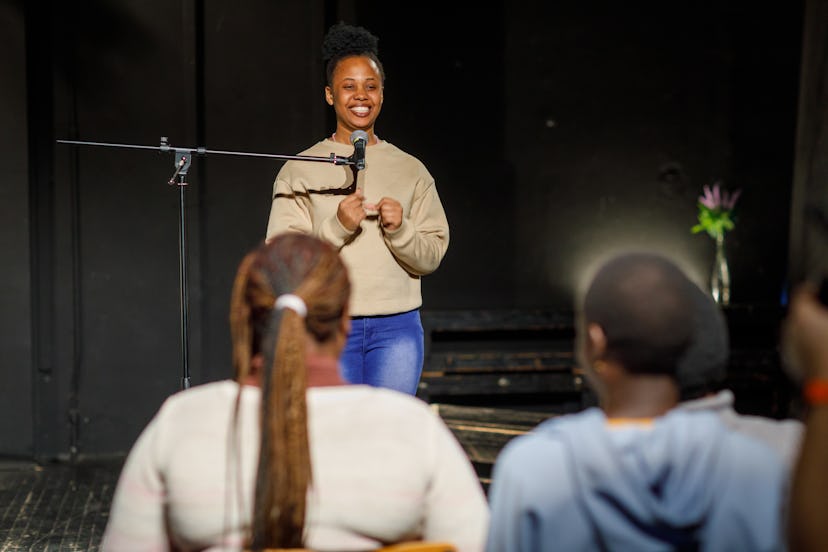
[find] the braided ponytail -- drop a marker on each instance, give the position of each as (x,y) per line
(312,270)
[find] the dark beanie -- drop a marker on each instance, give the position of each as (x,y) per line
(704,366)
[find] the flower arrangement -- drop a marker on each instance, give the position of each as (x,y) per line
(715,211)
(716,218)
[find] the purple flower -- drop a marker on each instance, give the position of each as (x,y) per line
(717,199)
(729,202)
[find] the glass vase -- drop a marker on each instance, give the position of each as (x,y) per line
(720,275)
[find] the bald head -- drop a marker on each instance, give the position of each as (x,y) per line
(643,303)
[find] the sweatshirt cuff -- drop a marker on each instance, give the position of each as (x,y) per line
(333,231)
(402,235)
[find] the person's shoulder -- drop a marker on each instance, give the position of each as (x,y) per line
(584,420)
(537,464)
(750,422)
(324,147)
(549,436)
(784,436)
(205,393)
(696,428)
(740,453)
(748,470)
(748,446)
(396,154)
(727,424)
(370,397)
(389,148)
(392,395)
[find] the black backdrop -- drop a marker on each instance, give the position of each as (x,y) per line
(556,132)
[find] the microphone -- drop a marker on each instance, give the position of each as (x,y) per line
(359,138)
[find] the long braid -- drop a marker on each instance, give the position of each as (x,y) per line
(307,267)
(284,461)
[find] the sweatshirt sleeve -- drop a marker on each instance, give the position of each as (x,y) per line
(421,241)
(136,518)
(456,508)
(290,211)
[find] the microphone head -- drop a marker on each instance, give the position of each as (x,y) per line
(359,135)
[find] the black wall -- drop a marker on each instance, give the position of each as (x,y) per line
(809,206)
(556,131)
(617,117)
(15,291)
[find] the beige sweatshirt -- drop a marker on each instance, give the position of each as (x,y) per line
(385,267)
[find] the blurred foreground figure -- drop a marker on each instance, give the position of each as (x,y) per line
(288,455)
(636,474)
(805,343)
(701,378)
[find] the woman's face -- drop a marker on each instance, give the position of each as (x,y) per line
(355,93)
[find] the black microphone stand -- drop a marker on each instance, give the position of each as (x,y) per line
(183,158)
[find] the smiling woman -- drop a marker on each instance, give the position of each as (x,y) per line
(385,218)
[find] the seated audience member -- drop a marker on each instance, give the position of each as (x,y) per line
(701,378)
(287,455)
(635,474)
(805,341)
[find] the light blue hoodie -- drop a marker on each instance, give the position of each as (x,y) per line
(685,482)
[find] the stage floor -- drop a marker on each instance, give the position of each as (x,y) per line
(55,507)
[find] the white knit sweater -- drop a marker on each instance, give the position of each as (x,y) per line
(385,468)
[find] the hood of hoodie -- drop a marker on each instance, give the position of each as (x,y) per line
(653,483)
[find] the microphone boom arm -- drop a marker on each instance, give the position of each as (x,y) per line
(182,152)
(183,158)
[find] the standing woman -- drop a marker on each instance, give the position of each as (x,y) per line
(386,220)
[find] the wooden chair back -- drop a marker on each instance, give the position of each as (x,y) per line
(409,546)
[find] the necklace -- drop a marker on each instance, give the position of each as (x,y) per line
(376,139)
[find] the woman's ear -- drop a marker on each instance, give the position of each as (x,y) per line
(329,95)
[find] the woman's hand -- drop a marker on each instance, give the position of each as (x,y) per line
(350,211)
(390,213)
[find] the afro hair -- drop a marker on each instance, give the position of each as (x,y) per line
(343,40)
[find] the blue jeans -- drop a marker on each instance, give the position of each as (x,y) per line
(385,351)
